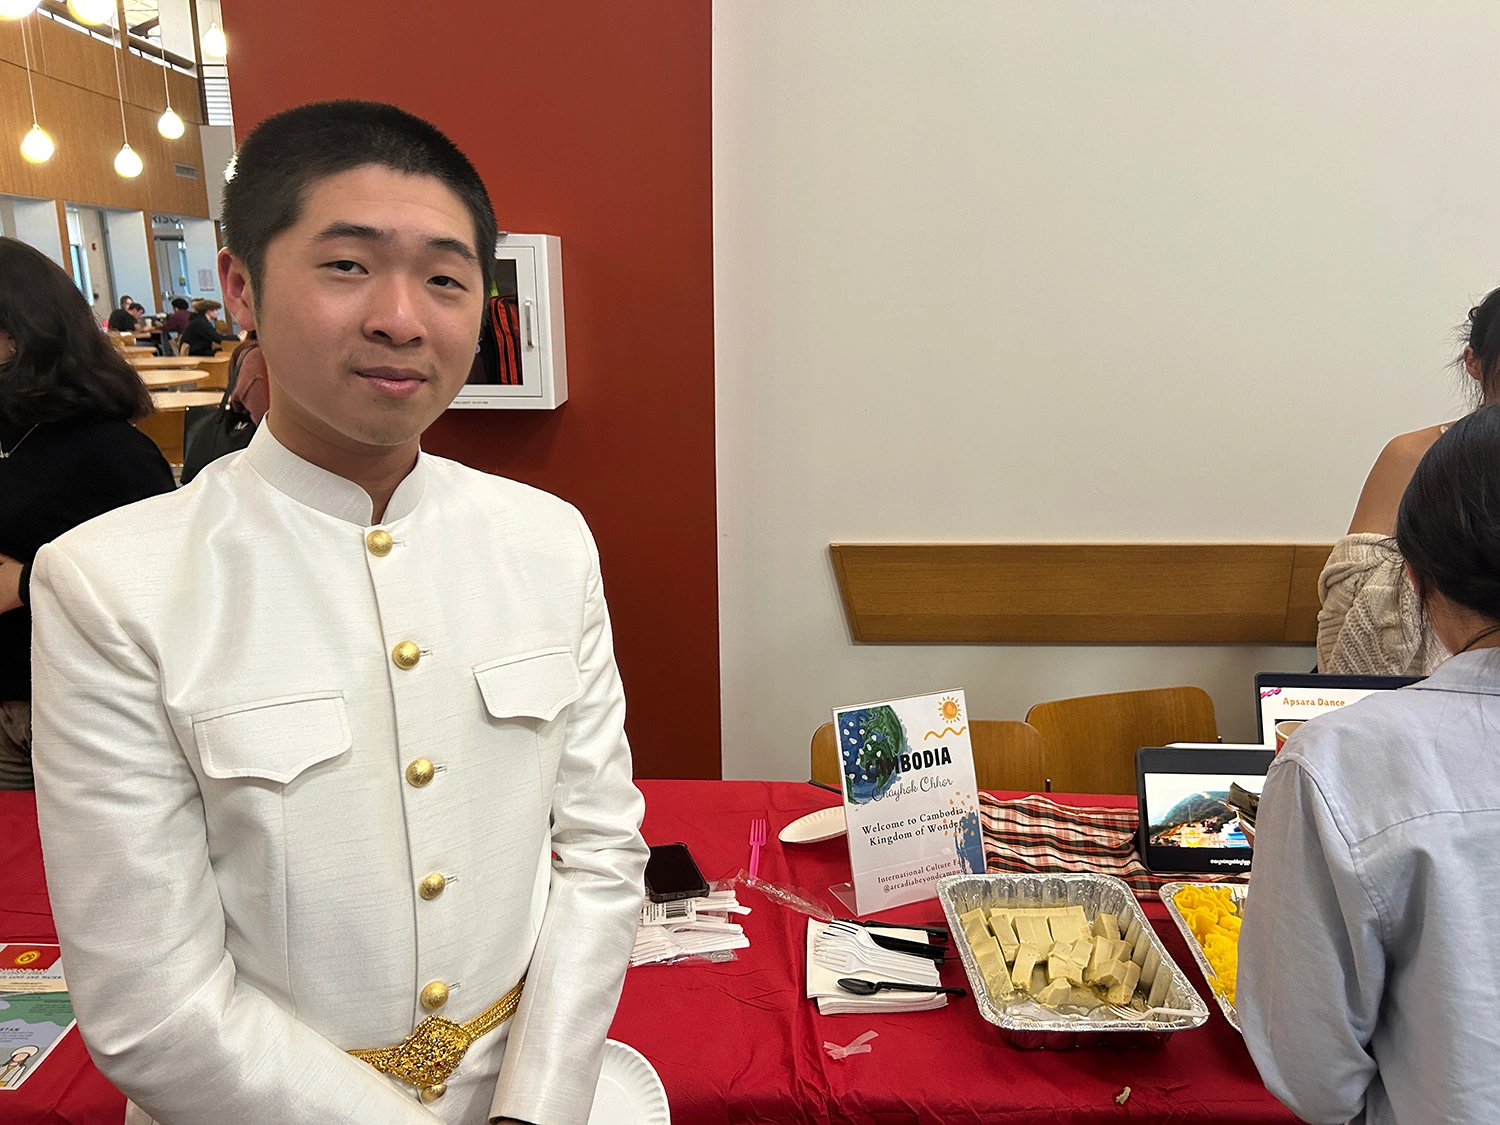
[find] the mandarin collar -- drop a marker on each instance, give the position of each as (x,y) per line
(327,492)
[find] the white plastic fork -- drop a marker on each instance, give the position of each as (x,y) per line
(843,952)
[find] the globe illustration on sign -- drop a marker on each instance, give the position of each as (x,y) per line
(871,740)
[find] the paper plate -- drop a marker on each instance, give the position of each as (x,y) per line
(825,824)
(629,1092)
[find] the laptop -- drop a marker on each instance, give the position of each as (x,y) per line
(1187,824)
(1286,700)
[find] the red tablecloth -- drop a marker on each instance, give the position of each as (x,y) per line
(737,1043)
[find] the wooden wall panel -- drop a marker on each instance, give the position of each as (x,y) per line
(1080,593)
(74,77)
(143,87)
(10,41)
(72,57)
(1302,604)
(86,128)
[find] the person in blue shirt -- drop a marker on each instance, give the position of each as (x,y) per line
(1369,971)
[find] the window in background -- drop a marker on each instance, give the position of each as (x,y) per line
(78,260)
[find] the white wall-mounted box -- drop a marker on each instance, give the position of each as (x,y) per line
(523,363)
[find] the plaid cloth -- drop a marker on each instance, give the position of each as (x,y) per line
(1034,835)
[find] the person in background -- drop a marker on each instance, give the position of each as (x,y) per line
(67,453)
(1366,965)
(122,319)
(199,334)
(177,319)
(1370,622)
(172,326)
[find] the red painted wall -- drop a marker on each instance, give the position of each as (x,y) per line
(592,121)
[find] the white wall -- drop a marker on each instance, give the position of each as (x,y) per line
(130,256)
(218,150)
(33,221)
(176,26)
(1069,270)
(202,257)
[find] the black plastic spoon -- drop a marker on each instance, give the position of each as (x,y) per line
(870,987)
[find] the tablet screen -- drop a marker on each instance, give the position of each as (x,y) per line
(1192,810)
(1187,823)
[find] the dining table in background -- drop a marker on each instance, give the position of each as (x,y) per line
(160,378)
(737,1041)
(163,362)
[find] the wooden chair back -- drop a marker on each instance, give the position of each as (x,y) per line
(1007,755)
(217,368)
(1091,740)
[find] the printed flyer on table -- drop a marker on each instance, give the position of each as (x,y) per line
(35,1012)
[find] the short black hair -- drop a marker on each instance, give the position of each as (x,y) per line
(1448,525)
(64,369)
(179,303)
(289,152)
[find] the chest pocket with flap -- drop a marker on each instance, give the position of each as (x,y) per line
(534,685)
(275,739)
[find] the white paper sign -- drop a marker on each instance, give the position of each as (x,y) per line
(910,798)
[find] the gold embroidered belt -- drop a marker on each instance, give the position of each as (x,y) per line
(431,1053)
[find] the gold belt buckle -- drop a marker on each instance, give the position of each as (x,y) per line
(431,1053)
(425,1058)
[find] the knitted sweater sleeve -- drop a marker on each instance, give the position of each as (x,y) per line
(1371,620)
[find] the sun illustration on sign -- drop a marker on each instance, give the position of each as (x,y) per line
(949,712)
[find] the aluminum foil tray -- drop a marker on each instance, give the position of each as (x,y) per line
(1237,892)
(959,894)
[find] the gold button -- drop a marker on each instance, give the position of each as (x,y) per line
(434,996)
(406,655)
(419,773)
(433,1093)
(432,886)
(379,541)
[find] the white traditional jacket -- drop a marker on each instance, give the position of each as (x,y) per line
(237,813)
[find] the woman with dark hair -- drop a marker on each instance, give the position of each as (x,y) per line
(1370,621)
(67,453)
(1367,968)
(200,335)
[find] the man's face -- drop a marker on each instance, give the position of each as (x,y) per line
(367,309)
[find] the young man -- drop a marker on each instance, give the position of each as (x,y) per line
(330,744)
(122,319)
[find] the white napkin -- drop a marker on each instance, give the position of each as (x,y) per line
(823,984)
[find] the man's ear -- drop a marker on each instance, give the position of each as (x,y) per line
(234,283)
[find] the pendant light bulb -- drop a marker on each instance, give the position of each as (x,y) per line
(37,146)
(215,45)
(128,162)
(170,125)
(17,9)
(93,11)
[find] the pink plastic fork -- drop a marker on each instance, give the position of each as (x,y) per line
(757,841)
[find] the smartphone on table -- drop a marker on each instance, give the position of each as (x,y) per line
(671,874)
